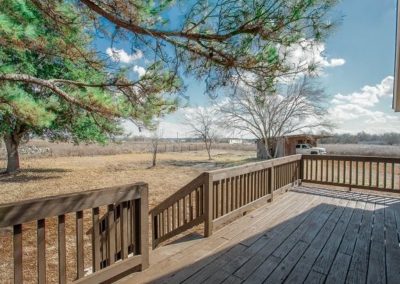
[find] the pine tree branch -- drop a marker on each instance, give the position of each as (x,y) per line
(50,84)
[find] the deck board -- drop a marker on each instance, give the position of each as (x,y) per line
(308,234)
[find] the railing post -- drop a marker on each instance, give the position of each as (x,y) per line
(208,204)
(144,226)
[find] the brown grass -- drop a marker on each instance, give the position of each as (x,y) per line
(362,150)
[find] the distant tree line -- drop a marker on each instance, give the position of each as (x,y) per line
(391,138)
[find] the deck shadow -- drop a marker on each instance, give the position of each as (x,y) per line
(27,175)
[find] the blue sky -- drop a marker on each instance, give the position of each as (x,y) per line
(360,90)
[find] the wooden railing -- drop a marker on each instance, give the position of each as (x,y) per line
(117,245)
(216,197)
(236,189)
(179,212)
(374,173)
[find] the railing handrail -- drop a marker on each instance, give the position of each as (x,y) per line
(251,167)
(41,208)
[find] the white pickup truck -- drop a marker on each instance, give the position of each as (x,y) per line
(307,149)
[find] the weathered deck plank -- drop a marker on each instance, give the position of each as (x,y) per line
(308,235)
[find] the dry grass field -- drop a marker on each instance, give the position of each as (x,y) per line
(52,176)
(363,150)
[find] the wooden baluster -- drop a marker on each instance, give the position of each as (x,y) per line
(316,170)
(351,173)
(327,171)
(155,231)
(191,206)
(17,253)
(392,183)
(229,195)
(95,239)
(216,198)
(197,202)
(272,180)
(233,193)
(247,188)
(357,179)
(178,209)
(377,175)
(338,171)
(133,225)
(262,191)
(384,174)
(138,224)
(184,211)
(62,254)
(253,186)
(124,230)
(160,226)
(41,250)
(168,221)
(223,202)
(111,234)
(344,172)
(370,174)
(117,225)
(321,170)
(363,173)
(79,245)
(240,191)
(201,204)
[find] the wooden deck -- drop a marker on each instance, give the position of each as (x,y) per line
(308,235)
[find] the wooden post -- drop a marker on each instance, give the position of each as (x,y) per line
(208,205)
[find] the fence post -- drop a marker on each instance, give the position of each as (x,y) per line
(144,226)
(208,204)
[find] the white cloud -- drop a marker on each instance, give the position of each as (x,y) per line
(139,70)
(368,96)
(334,62)
(358,111)
(308,52)
(120,55)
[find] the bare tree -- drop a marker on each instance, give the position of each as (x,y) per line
(203,123)
(295,107)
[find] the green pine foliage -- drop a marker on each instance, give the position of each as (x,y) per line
(36,45)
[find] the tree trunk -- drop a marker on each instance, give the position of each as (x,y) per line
(208,148)
(155,150)
(12,143)
(262,150)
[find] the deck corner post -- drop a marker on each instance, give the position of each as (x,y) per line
(208,204)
